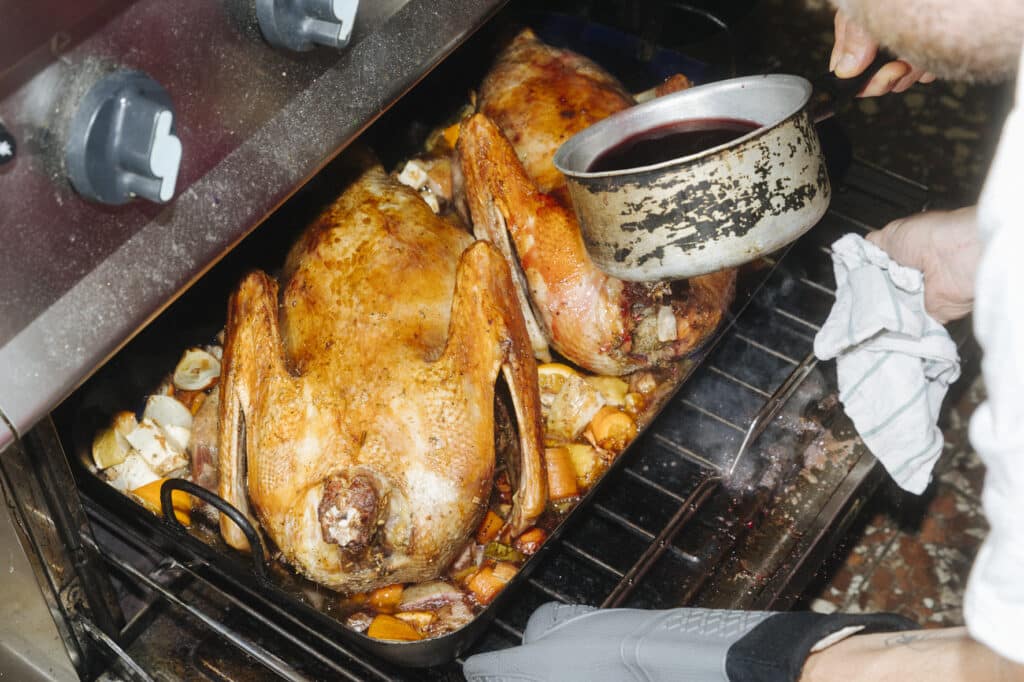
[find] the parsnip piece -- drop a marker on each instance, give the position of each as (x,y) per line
(561,473)
(420,620)
(667,324)
(586,462)
(196,371)
(124,422)
(161,453)
(134,472)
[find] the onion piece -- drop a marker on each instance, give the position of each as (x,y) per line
(197,370)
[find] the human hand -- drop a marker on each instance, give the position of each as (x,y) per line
(943,245)
(566,643)
(855,49)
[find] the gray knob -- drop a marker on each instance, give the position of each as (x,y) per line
(121,142)
(301,24)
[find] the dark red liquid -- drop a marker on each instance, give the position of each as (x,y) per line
(671,141)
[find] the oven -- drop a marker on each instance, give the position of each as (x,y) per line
(732,497)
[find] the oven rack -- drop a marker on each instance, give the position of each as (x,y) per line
(628,549)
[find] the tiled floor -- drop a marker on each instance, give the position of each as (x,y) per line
(913,554)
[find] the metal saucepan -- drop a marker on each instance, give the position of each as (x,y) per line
(714,209)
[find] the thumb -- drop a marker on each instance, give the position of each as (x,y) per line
(854,50)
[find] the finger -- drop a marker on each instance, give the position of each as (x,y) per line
(859,48)
(928,77)
(840,39)
(878,239)
(914,76)
(886,78)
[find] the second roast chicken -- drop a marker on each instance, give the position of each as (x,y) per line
(535,98)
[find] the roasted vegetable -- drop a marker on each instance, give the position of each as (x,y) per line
(530,541)
(612,429)
(586,463)
(389,627)
(612,389)
(386,599)
(420,620)
(561,473)
(197,370)
(485,584)
(572,409)
(489,528)
(501,552)
(149,496)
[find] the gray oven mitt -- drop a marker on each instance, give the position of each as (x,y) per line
(565,643)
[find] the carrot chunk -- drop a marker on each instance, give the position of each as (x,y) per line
(149,496)
(485,585)
(389,627)
(531,540)
(489,528)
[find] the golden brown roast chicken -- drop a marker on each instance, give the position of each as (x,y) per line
(357,411)
(534,99)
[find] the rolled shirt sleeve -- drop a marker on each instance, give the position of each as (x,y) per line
(994,602)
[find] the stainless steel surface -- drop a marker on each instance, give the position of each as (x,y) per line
(30,646)
(50,561)
(719,208)
(79,280)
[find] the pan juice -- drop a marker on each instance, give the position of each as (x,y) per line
(670,141)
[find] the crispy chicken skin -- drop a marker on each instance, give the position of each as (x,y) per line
(356,416)
(535,98)
(540,96)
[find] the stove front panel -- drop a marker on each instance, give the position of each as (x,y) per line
(254,123)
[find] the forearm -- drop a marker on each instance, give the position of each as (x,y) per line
(928,655)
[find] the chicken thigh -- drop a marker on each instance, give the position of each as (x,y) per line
(534,99)
(357,412)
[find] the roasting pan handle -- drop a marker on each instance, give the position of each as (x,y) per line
(224,507)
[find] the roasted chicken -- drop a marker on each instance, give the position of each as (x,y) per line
(357,411)
(535,98)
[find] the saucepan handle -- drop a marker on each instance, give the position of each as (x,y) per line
(833,94)
(224,507)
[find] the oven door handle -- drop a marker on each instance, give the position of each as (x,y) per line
(224,507)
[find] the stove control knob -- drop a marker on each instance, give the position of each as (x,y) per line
(121,142)
(300,24)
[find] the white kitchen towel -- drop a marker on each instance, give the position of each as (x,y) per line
(894,362)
